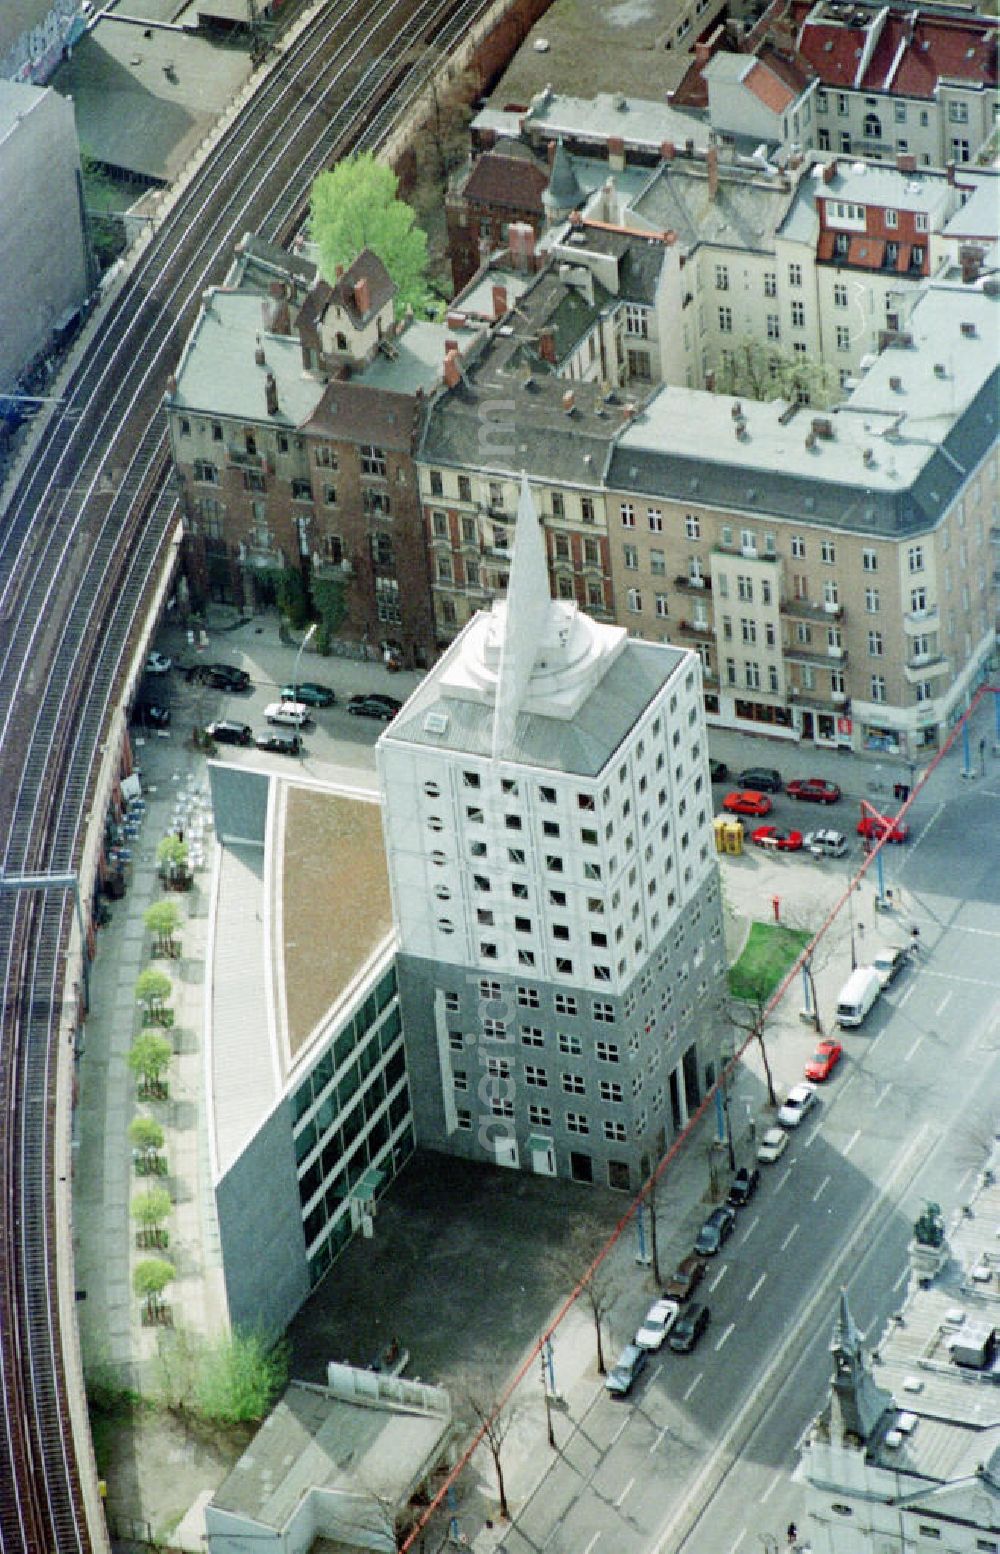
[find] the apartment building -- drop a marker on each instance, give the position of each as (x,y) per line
(833,571)
(548,823)
(294,415)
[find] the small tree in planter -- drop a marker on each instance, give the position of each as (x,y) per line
(146,1137)
(152,989)
(149,1280)
(162,920)
(149,1059)
(149,1210)
(172,863)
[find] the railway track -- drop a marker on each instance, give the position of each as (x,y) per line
(84,539)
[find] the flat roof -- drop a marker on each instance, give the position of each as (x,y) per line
(218,374)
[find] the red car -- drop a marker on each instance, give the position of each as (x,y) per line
(781,841)
(824,1060)
(746,801)
(816,789)
(873,830)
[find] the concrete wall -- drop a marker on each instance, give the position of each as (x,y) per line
(42,252)
(260,1226)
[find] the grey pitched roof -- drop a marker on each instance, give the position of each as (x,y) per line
(746,212)
(564,192)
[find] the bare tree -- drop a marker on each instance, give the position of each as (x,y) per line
(978,1136)
(648,1166)
(483,1397)
(750,1014)
(597,1286)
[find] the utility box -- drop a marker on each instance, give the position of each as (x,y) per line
(728,836)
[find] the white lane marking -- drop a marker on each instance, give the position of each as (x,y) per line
(621,1429)
(730,1329)
(953,976)
(965,1180)
(904,1276)
(592,1544)
(788,1239)
(782,1180)
(719,1277)
(757,1286)
(693,1385)
(742,1534)
(908,1055)
(942,1006)
(905,996)
(810,1141)
(881,1096)
(821,1189)
(750,1229)
(769,1491)
(621,1497)
(851,1142)
(659,1438)
(653,1374)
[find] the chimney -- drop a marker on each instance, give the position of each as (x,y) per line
(271,394)
(550,152)
(830,171)
(949,168)
(616,153)
(258,354)
(568,401)
(629,409)
(906,162)
(521,240)
(689,147)
(702,55)
(499,302)
(712,163)
(487,139)
(362,295)
(668,150)
(452,375)
(277,289)
(547,346)
(171,384)
(609,203)
(971,260)
(449,346)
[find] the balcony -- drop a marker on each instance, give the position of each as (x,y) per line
(813,656)
(240,459)
(915,621)
(693,585)
(332,571)
(261,556)
(703,630)
(804,609)
(927,666)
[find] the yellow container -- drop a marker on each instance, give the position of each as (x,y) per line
(733,837)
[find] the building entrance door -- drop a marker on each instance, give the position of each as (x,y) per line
(808,725)
(543,1157)
(505,1146)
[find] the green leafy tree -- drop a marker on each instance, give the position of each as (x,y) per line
(172,858)
(162,920)
(354,206)
(331,607)
(149,1279)
(149,1210)
(240,1376)
(149,1059)
(152,989)
(146,1136)
(292,599)
(759,371)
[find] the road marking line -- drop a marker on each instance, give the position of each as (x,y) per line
(851,1141)
(730,1329)
(824,1184)
(653,1374)
(953,976)
(739,1540)
(658,1440)
(769,1491)
(757,1286)
(752,1227)
(787,1241)
(621,1497)
(693,1385)
(719,1277)
(942,1006)
(901,1280)
(782,1180)
(620,1431)
(810,1141)
(592,1544)
(881,1096)
(965,1179)
(905,996)
(908,1055)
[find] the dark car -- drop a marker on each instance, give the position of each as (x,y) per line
(279,744)
(688,1328)
(718,770)
(225,731)
(374,706)
(743,1186)
(629,1365)
(310,693)
(716,1229)
(763,778)
(152,715)
(816,790)
(685,1279)
(222,677)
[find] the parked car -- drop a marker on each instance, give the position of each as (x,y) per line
(814,789)
(688,1328)
(227,732)
(825,844)
(685,1279)
(778,840)
(764,778)
(717,1228)
(887,963)
(309,692)
(800,1099)
(374,706)
(772,1146)
(278,743)
(659,1319)
(158,663)
(873,830)
(743,1186)
(824,1060)
(718,770)
(222,677)
(629,1365)
(293,714)
(747,801)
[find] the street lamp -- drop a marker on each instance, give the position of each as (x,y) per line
(295,669)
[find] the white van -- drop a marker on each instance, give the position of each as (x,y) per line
(857,995)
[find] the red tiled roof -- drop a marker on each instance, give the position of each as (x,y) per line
(824,248)
(866,253)
(903,260)
(510,181)
(766,87)
(833,51)
(963,50)
(693,89)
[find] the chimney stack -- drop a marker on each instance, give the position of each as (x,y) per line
(971,259)
(521,240)
(547,346)
(271,394)
(712,163)
(569,401)
(362,295)
(452,375)
(830,171)
(550,152)
(616,153)
(949,168)
(668,150)
(258,354)
(499,302)
(702,54)
(906,162)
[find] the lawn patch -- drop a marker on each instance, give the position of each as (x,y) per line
(767,955)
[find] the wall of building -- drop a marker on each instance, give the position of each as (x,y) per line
(42,247)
